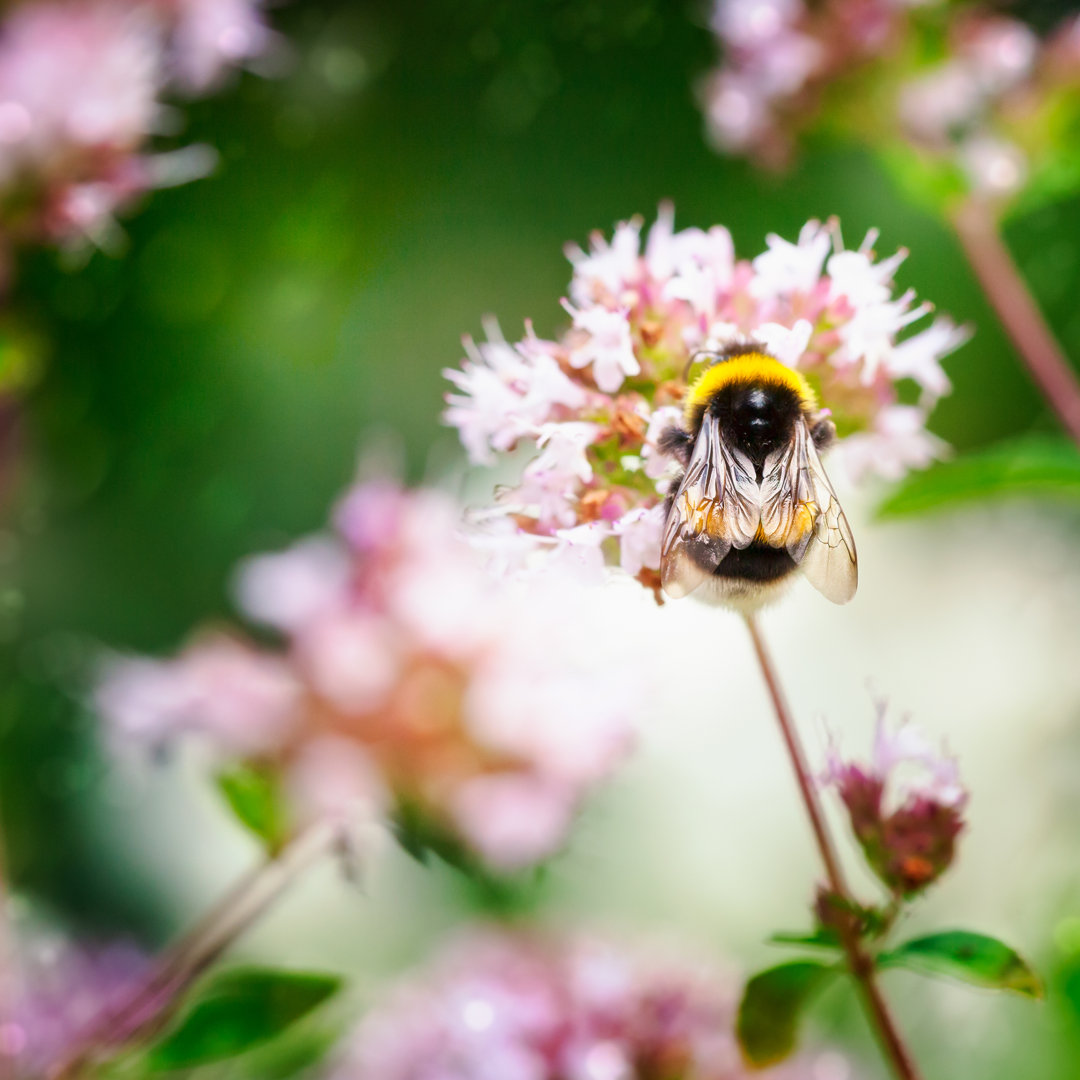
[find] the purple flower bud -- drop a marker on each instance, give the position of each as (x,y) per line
(905,807)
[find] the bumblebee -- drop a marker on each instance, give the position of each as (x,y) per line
(753,504)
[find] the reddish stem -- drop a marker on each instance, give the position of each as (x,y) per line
(860,963)
(977,227)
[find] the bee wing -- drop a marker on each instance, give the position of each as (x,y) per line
(800,511)
(715,508)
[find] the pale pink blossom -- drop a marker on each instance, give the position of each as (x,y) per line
(81,89)
(605,346)
(407,675)
(940,102)
(656,463)
(290,589)
(506,1006)
(787,267)
(334,777)
(506,391)
(210,37)
(919,356)
(896,444)
(606,269)
(62,986)
(238,698)
(639,533)
(513,820)
(994,166)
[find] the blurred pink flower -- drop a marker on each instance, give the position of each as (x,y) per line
(502,1006)
(778,56)
(81,83)
(409,674)
(831,312)
(60,987)
(210,37)
(905,806)
(242,700)
(983,105)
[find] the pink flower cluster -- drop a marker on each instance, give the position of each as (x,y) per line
(593,403)
(514,1007)
(779,56)
(80,89)
(410,677)
(988,109)
(905,807)
(975,106)
(56,988)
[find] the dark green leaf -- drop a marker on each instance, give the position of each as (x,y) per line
(238,1011)
(1045,468)
(254,795)
(772,1006)
(822,938)
(975,958)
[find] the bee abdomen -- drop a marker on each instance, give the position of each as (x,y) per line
(758,562)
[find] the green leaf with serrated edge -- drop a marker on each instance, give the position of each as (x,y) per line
(236,1012)
(772,1006)
(812,939)
(975,958)
(1028,467)
(254,795)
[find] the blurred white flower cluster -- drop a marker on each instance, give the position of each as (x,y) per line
(409,678)
(81,83)
(594,402)
(502,1006)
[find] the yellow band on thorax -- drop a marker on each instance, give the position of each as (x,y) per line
(748,368)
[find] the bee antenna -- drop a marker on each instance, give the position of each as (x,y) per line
(694,359)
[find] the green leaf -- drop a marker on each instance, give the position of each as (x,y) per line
(1042,467)
(976,958)
(238,1011)
(254,795)
(822,938)
(772,1005)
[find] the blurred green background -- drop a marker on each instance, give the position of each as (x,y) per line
(205,394)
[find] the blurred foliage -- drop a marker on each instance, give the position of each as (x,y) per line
(975,958)
(1031,467)
(235,1012)
(772,1007)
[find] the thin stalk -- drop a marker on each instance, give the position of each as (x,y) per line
(977,227)
(860,963)
(154,1000)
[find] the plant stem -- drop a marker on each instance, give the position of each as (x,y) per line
(152,1003)
(977,227)
(860,962)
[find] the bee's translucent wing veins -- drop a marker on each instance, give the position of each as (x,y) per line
(828,560)
(787,497)
(715,508)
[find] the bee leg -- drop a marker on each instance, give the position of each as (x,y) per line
(823,432)
(669,499)
(676,443)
